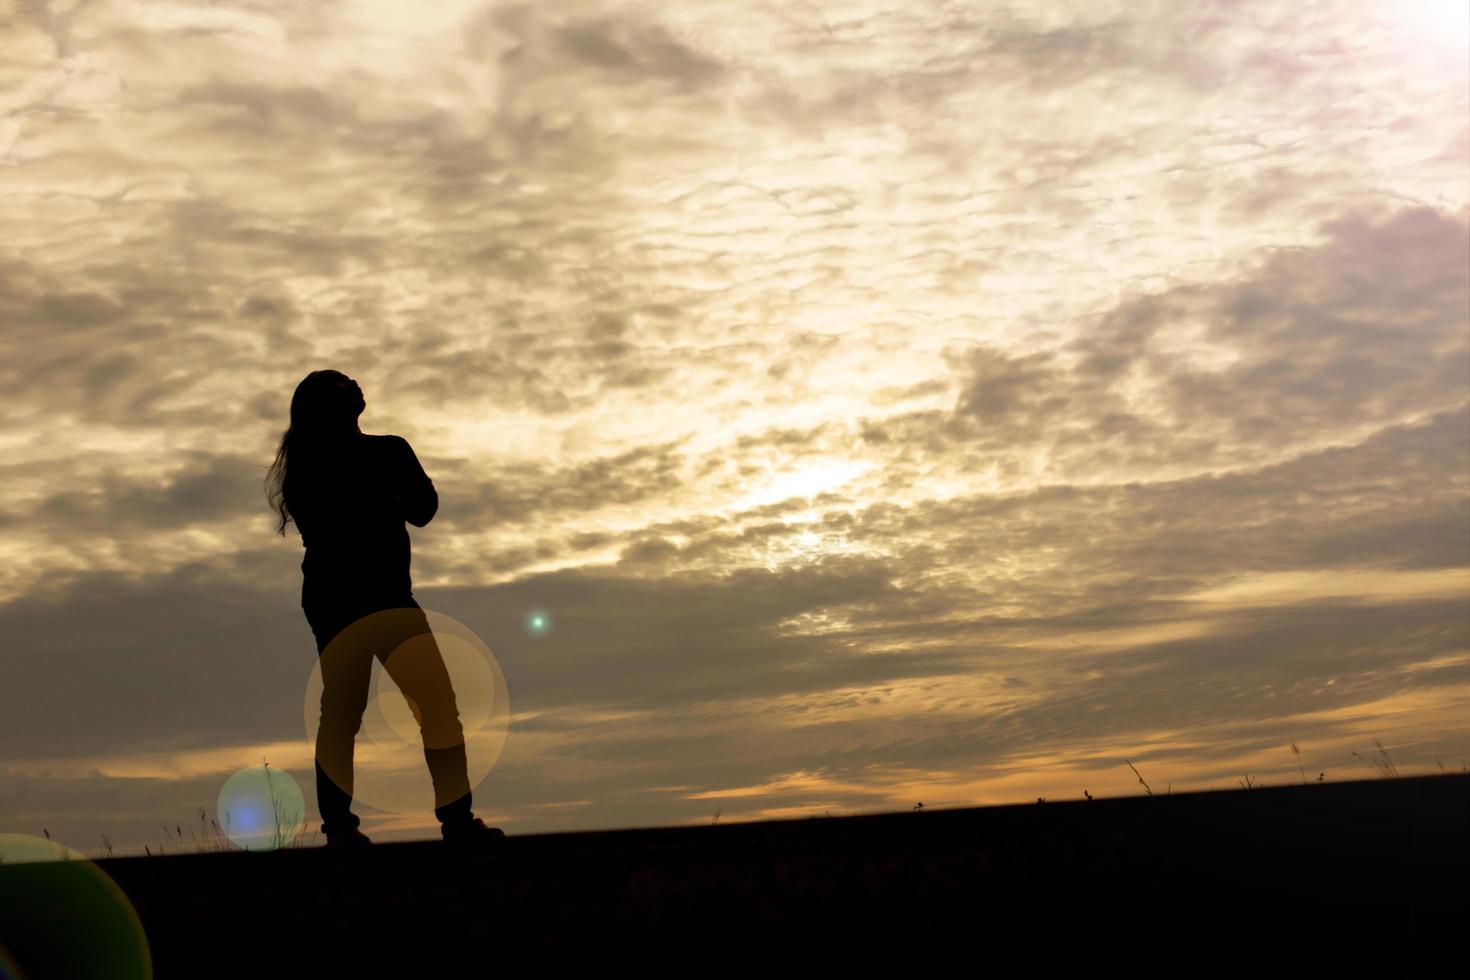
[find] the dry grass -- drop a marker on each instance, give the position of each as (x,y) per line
(288,832)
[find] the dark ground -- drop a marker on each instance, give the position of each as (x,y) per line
(1369,874)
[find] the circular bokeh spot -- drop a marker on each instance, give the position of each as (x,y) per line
(391,719)
(421,683)
(61,915)
(261,808)
(463,688)
(538,622)
(9,969)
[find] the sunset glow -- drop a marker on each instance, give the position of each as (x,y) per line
(832,406)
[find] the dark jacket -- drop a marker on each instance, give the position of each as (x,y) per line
(350,506)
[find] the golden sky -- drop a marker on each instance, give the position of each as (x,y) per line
(888,403)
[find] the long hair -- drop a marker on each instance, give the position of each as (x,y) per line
(320,425)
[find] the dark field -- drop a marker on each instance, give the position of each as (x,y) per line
(1370,874)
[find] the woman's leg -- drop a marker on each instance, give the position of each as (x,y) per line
(346,674)
(417,667)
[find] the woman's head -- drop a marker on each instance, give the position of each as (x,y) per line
(326,403)
(324,411)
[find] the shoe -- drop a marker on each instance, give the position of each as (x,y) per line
(348,838)
(473,830)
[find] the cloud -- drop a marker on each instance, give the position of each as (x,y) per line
(1314,346)
(636,51)
(210,489)
(877,399)
(198,657)
(126,655)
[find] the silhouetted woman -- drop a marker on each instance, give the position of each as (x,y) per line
(349,494)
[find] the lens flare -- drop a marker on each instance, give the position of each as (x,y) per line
(9,969)
(261,808)
(62,916)
(438,690)
(538,622)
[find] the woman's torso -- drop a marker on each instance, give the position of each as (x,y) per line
(356,544)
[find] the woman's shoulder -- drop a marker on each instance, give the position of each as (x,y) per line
(389,449)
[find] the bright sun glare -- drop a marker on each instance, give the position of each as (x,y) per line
(1442,22)
(804,481)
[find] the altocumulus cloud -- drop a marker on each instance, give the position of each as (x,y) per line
(887,405)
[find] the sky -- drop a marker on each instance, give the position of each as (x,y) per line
(922,402)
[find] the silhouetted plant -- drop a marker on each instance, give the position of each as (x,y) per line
(1140,778)
(1385,767)
(61,852)
(1298,753)
(287,825)
(1389,767)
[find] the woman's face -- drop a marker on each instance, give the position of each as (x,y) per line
(348,394)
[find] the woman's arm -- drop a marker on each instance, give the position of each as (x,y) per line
(419,499)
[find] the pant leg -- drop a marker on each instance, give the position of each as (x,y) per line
(416,665)
(346,676)
(405,645)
